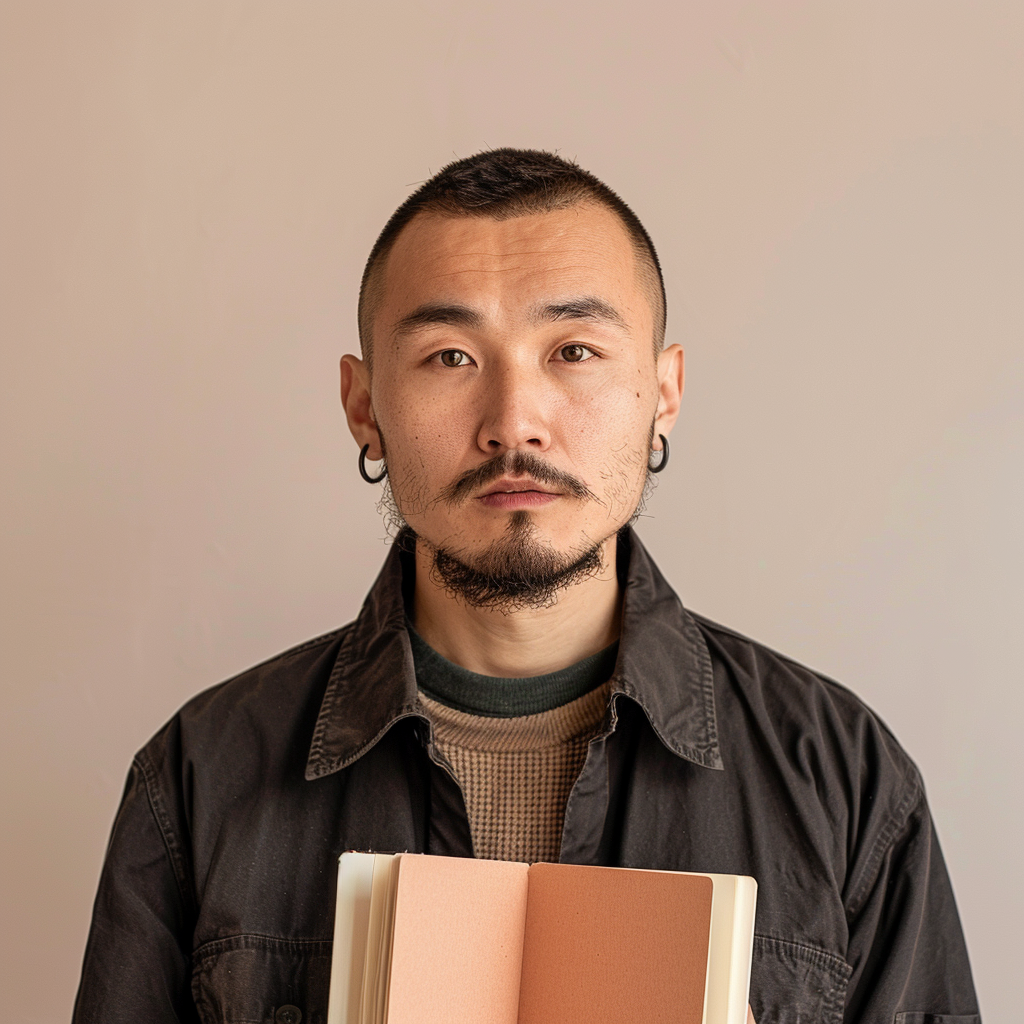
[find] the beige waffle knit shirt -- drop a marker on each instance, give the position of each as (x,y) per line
(516,773)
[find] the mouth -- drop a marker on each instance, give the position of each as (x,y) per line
(518,493)
(515,473)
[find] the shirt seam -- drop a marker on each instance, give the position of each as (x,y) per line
(707,681)
(172,847)
(893,829)
(228,943)
(830,961)
(316,747)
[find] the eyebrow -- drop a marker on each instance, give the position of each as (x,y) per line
(436,314)
(584,307)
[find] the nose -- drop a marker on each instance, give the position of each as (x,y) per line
(514,414)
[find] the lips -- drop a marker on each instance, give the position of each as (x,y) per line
(508,485)
(514,494)
(514,471)
(517,499)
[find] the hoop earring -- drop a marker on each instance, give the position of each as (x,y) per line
(663,461)
(362,468)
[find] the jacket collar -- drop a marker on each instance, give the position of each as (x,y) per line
(663,665)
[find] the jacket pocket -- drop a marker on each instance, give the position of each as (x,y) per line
(791,983)
(257,979)
(937,1018)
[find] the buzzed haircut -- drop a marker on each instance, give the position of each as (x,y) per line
(501,184)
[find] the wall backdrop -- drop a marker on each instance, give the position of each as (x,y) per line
(189,191)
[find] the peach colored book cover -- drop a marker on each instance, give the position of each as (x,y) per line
(458,941)
(606,946)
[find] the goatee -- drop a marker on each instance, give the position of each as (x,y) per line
(515,571)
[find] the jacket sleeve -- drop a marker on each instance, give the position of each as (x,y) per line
(906,946)
(137,959)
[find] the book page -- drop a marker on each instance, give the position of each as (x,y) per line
(732,936)
(351,924)
(457,943)
(378,939)
(614,946)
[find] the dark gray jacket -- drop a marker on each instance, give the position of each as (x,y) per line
(217,895)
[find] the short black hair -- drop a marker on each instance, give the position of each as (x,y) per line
(501,184)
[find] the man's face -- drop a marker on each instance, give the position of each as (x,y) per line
(529,338)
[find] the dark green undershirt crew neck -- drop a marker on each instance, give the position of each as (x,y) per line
(495,696)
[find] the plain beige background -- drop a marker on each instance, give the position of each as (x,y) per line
(189,191)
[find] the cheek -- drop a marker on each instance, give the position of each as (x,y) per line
(623,479)
(423,452)
(615,421)
(606,438)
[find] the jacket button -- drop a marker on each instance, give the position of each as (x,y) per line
(288,1015)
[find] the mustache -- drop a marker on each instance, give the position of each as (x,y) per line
(514,463)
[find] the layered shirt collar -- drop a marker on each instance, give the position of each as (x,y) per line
(663,666)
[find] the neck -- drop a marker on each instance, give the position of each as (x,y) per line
(527,641)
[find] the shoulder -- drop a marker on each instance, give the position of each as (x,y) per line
(812,730)
(284,678)
(253,714)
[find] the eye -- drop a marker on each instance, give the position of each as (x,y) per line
(452,357)
(575,353)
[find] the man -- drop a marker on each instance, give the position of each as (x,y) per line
(521,682)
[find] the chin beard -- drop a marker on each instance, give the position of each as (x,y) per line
(516,571)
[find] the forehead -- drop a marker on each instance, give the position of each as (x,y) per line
(508,263)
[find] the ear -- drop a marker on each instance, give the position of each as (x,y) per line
(671,378)
(355,397)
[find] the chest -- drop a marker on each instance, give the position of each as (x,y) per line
(263,936)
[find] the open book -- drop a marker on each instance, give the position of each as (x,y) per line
(454,940)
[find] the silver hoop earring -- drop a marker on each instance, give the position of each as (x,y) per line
(663,461)
(362,468)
